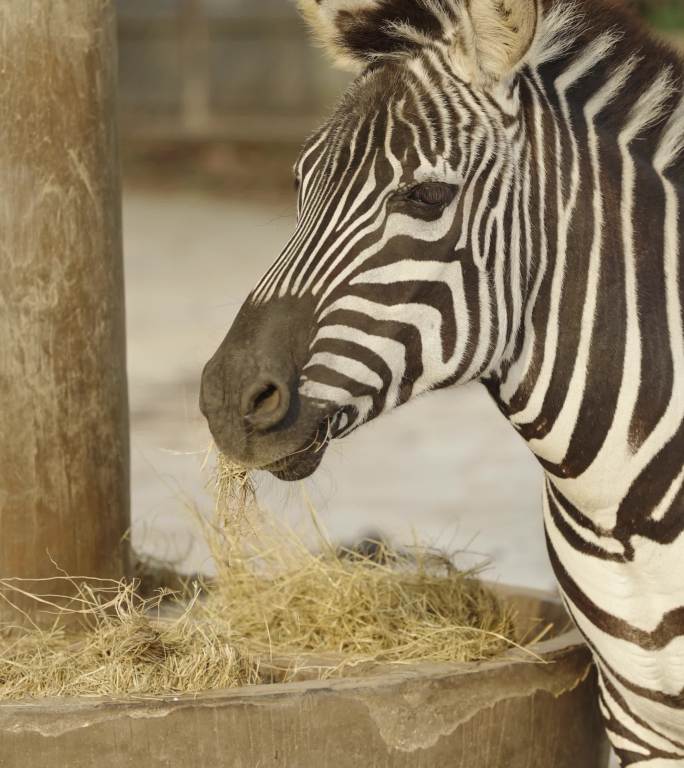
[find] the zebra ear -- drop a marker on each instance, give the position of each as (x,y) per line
(330,20)
(358,32)
(489,38)
(496,36)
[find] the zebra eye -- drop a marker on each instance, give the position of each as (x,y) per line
(434,194)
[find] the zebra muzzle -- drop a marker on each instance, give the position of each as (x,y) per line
(250,392)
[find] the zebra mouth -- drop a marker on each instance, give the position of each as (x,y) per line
(298,466)
(304,462)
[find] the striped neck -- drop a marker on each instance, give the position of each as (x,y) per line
(596,379)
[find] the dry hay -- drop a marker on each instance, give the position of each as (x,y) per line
(284,600)
(126,648)
(234,494)
(272,604)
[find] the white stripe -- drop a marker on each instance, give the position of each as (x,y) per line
(555,445)
(590,57)
(347,366)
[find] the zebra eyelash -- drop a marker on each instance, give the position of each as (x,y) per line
(431,197)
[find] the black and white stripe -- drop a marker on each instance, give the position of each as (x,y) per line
(548,266)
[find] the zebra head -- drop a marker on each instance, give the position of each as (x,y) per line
(403,272)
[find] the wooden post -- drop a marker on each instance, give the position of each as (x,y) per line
(64,453)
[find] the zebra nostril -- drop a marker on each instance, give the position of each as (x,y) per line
(265,404)
(267,401)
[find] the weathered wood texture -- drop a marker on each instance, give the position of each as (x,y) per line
(64,484)
(507,713)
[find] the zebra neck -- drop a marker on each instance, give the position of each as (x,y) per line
(595,384)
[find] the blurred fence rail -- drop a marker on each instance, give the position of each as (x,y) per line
(220,69)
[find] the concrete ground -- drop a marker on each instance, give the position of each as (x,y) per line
(446,469)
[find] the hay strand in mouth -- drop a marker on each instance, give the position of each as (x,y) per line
(272,604)
(234,485)
(235,503)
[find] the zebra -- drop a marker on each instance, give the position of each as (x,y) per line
(499,198)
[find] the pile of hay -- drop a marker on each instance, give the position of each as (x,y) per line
(272,604)
(126,648)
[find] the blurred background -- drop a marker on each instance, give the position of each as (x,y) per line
(216,97)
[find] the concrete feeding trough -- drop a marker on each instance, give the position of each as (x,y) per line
(511,712)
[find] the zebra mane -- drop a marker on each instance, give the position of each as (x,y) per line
(565,24)
(656,71)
